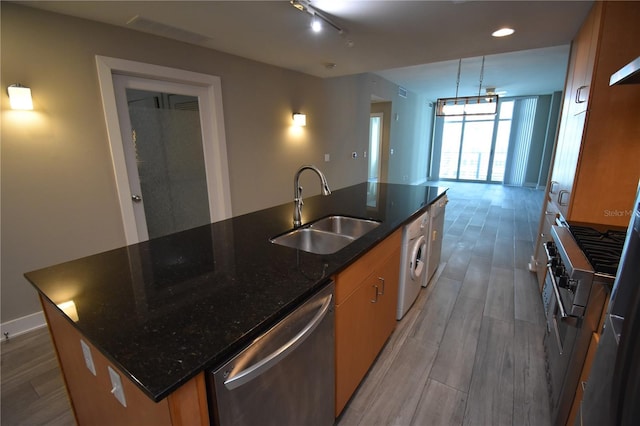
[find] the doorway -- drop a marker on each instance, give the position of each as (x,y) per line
(379,140)
(375,146)
(168,147)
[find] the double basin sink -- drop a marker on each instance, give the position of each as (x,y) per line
(326,235)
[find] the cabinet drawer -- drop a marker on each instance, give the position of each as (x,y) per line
(348,280)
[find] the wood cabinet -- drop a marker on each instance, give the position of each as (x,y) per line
(595,170)
(574,109)
(366,303)
(582,62)
(91,398)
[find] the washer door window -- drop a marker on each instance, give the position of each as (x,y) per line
(418,257)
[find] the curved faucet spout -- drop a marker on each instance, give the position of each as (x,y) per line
(297,192)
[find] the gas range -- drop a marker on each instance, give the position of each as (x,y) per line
(581,267)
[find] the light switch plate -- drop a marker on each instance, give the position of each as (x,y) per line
(88,359)
(116,386)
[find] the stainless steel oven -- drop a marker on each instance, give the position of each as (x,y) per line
(570,318)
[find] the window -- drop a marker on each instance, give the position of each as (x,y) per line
(487,148)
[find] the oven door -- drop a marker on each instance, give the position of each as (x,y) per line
(562,332)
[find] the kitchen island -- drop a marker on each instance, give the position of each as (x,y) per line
(164,311)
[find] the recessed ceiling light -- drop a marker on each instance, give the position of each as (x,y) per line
(503,32)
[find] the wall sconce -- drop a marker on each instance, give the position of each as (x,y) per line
(299,119)
(20,97)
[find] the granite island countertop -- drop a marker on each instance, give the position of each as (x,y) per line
(166,309)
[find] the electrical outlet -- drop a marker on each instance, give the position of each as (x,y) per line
(88,359)
(327,158)
(116,386)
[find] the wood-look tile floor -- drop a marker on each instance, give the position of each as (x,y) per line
(32,390)
(469,351)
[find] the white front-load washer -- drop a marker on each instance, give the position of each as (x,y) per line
(412,263)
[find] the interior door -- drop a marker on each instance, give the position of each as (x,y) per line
(163,145)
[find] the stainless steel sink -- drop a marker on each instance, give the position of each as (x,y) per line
(327,235)
(345,225)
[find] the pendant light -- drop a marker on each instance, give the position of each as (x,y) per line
(467,105)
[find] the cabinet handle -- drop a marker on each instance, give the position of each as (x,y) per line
(561,199)
(266,363)
(376,289)
(382,281)
(552,187)
(578,93)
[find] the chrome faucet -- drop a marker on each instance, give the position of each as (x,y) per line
(297,192)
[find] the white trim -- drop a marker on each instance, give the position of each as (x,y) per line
(217,178)
(23,325)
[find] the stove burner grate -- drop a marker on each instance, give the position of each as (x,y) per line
(602,249)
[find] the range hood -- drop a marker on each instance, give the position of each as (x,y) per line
(629,74)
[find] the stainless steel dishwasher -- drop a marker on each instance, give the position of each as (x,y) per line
(285,376)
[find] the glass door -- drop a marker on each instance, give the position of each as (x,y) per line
(474,147)
(163,147)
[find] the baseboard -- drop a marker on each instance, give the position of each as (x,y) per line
(22,325)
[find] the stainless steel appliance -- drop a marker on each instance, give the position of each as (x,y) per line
(612,393)
(581,267)
(284,377)
(434,236)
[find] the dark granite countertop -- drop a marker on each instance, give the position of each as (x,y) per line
(166,309)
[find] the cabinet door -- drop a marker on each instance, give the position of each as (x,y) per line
(566,161)
(575,109)
(387,276)
(585,46)
(608,173)
(354,339)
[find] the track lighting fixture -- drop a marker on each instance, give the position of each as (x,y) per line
(317,17)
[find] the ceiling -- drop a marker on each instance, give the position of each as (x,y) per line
(415,44)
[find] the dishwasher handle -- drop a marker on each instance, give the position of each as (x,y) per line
(255,370)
